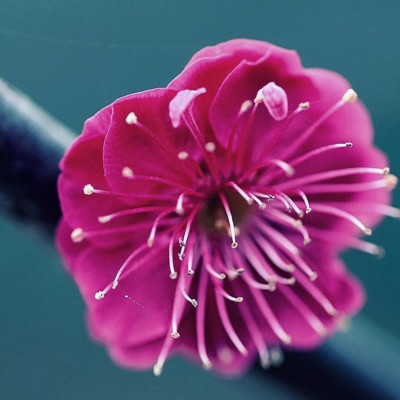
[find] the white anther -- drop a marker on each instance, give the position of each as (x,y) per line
(77,235)
(115,284)
(239,299)
(210,147)
(313,276)
(367,231)
(194,303)
(157,370)
(350,96)
(104,219)
(391,181)
(131,119)
(88,190)
(246,105)
(385,171)
(127,173)
(349,144)
(175,335)
(207,365)
(305,105)
(99,295)
(183,155)
(173,275)
(234,245)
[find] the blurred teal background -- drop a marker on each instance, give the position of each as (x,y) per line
(74,57)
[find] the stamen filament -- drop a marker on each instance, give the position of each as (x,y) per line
(304,180)
(229,216)
(227,324)
(323,208)
(200,321)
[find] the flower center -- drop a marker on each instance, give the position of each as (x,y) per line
(213,217)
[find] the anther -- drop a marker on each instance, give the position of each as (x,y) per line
(391,181)
(99,295)
(286,339)
(115,284)
(210,147)
(173,275)
(367,231)
(183,155)
(305,105)
(234,245)
(239,299)
(313,276)
(207,365)
(127,173)
(385,171)
(350,96)
(194,303)
(175,335)
(104,219)
(246,105)
(77,235)
(131,118)
(349,144)
(157,370)
(88,190)
(221,276)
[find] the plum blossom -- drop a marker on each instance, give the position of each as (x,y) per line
(206,218)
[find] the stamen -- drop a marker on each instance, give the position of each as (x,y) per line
(304,311)
(348,97)
(278,238)
(305,200)
(282,128)
(229,216)
(156,222)
(342,214)
(316,294)
(212,162)
(272,254)
(107,218)
(267,313)
(128,195)
(256,336)
(200,321)
(227,324)
(350,187)
(206,252)
(280,217)
(246,105)
(304,180)
(189,223)
(242,193)
(313,153)
(261,265)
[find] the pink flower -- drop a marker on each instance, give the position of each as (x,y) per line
(206,218)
